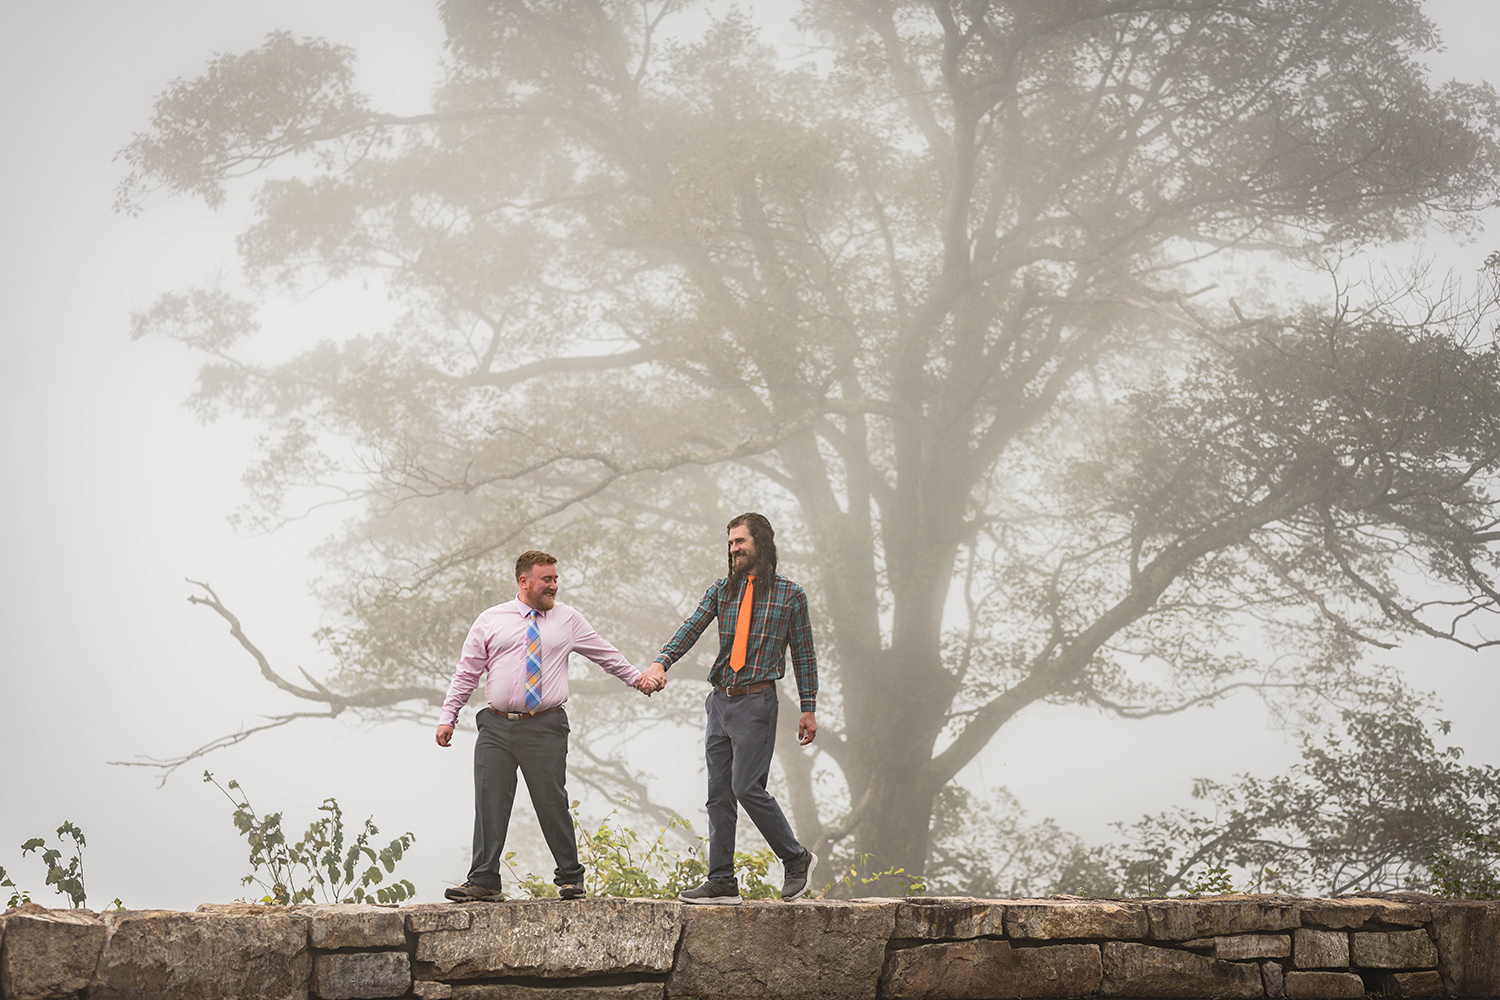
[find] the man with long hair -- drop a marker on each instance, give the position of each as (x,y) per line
(521,648)
(761,616)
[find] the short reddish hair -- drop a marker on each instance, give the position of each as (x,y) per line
(530,558)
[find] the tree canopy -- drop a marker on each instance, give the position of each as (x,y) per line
(929,292)
(1376,806)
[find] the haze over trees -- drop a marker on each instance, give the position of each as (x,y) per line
(930,293)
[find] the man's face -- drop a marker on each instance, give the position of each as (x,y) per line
(539,586)
(741,548)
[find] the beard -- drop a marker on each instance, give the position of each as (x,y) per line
(742,569)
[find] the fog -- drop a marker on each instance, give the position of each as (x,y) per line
(116,494)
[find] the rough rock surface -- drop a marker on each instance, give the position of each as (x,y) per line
(772,950)
(1242,946)
(1354,911)
(162,955)
(1273,977)
(1468,945)
(1392,950)
(441,916)
(1414,984)
(990,968)
(1183,919)
(511,991)
(48,953)
(1313,949)
(948,917)
(1142,970)
(1322,985)
(431,991)
(362,975)
(1100,918)
(553,938)
(356,926)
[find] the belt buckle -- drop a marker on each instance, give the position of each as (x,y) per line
(514,715)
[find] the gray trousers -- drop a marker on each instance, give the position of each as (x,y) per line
(539,749)
(741,736)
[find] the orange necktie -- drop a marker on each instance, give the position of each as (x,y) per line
(742,627)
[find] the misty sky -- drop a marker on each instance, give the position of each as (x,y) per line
(114,493)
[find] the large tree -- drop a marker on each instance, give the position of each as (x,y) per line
(928,292)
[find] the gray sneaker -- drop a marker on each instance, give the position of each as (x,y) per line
(798,874)
(717,893)
(471,893)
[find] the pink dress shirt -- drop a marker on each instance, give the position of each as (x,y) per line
(496,647)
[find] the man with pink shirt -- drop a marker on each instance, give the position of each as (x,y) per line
(521,648)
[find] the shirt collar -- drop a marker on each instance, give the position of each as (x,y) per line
(524,610)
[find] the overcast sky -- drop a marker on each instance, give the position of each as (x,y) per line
(114,494)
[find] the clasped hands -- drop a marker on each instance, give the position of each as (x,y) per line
(652,679)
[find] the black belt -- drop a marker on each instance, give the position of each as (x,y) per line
(525,715)
(737,692)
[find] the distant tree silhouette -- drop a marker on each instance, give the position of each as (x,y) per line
(929,295)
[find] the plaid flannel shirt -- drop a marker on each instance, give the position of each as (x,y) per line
(778,622)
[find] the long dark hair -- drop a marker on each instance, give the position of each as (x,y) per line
(764,537)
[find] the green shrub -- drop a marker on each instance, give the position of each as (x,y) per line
(618,863)
(319,863)
(1467,870)
(67,879)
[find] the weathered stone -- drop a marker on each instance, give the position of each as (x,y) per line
(1355,911)
(1243,946)
(1182,919)
(1099,918)
(1312,949)
(514,991)
(1392,950)
(1199,944)
(1321,985)
(825,949)
(1142,970)
(1468,945)
(1425,983)
(352,925)
(245,909)
(951,917)
(990,968)
(556,939)
(361,975)
(162,955)
(421,919)
(48,953)
(431,991)
(1273,977)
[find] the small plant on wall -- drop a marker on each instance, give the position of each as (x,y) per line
(319,864)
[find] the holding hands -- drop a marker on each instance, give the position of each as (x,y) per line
(652,679)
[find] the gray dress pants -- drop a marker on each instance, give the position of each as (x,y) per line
(741,737)
(538,747)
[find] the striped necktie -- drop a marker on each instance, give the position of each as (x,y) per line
(533,661)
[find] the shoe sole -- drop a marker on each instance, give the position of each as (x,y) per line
(812,863)
(711,900)
(496,898)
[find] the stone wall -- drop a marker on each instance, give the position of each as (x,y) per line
(1225,946)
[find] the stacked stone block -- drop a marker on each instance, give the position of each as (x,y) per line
(916,949)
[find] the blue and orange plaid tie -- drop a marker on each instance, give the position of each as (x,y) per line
(533,662)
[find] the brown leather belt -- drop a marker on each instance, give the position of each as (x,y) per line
(737,692)
(525,715)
